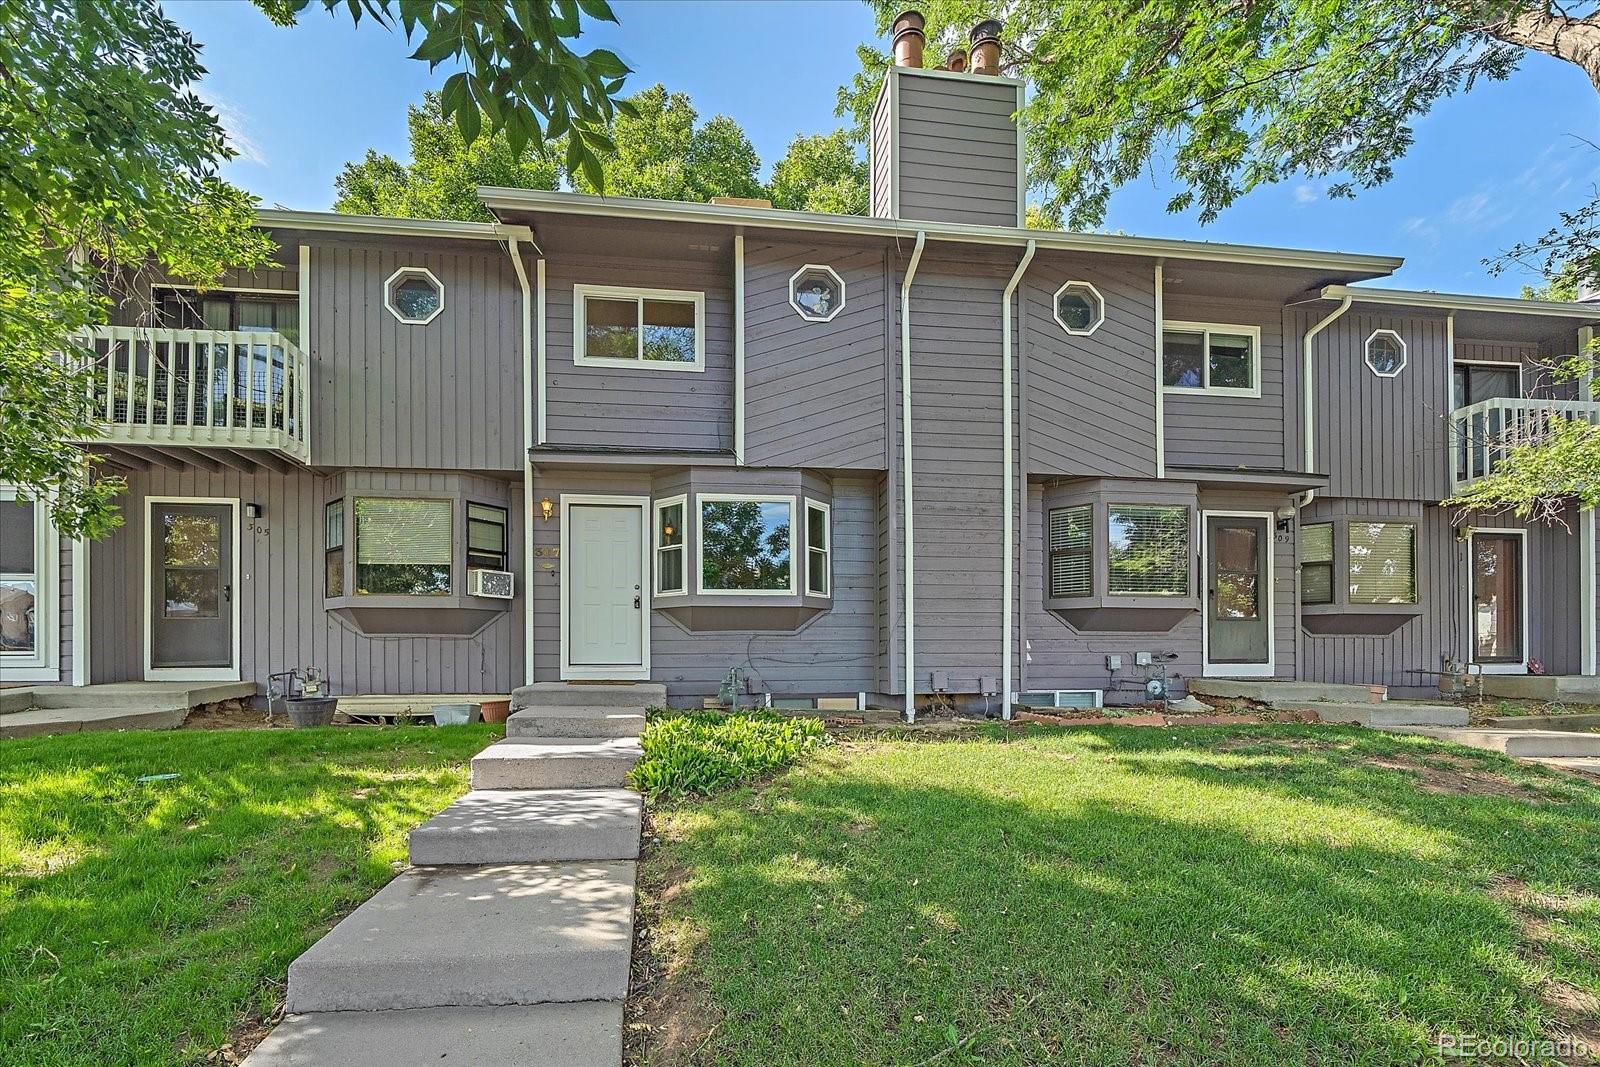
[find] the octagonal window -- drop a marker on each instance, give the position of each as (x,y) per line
(816,292)
(413,295)
(1386,353)
(1080,309)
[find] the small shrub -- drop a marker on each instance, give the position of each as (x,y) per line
(703,752)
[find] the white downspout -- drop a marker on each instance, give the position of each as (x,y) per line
(1008,555)
(528,436)
(1161,371)
(1586,530)
(1308,399)
(80,611)
(738,349)
(905,476)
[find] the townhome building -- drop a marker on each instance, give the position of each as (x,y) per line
(926,456)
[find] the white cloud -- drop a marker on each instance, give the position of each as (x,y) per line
(1420,227)
(1473,212)
(235,125)
(1305,193)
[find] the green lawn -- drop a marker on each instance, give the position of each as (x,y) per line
(141,923)
(1266,895)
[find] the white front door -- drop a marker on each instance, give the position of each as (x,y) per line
(606,603)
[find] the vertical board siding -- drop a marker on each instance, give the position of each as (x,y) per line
(623,407)
(441,395)
(1091,400)
(879,155)
(958,149)
(282,620)
(814,392)
(1232,431)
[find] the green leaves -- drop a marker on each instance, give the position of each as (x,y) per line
(704,752)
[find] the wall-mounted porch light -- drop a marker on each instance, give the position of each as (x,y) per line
(546,509)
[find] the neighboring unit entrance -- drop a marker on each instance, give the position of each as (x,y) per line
(1238,595)
(605,611)
(1499,607)
(191,591)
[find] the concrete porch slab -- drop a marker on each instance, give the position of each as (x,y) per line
(1389,713)
(476,936)
(531,826)
(1548,688)
(556,763)
(541,1035)
(64,709)
(1269,691)
(576,721)
(596,694)
(1527,744)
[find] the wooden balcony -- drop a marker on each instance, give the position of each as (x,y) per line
(212,389)
(1483,434)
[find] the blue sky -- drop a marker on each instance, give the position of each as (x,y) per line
(1488,168)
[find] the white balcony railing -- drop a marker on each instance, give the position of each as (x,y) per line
(1483,434)
(208,388)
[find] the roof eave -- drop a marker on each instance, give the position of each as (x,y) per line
(1461,302)
(279,218)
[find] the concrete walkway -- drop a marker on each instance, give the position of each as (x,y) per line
(64,709)
(508,943)
(1572,750)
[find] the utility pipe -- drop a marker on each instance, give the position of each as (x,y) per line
(1008,554)
(529,385)
(1308,395)
(905,468)
(738,349)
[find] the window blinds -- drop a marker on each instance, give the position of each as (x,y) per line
(1383,563)
(1149,550)
(1071,551)
(403,531)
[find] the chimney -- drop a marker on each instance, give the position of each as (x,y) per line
(957,60)
(909,38)
(985,38)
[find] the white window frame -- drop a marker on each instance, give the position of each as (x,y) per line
(43,664)
(388,300)
(1099,301)
(824,269)
(581,293)
(1405,357)
(700,541)
(826,549)
(682,547)
(1207,329)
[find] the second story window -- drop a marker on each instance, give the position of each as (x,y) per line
(1386,353)
(1202,357)
(1080,309)
(816,292)
(183,309)
(657,328)
(404,547)
(414,295)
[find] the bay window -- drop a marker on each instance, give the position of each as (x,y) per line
(1148,550)
(745,544)
(669,546)
(1072,551)
(1383,563)
(404,547)
(819,549)
(1316,563)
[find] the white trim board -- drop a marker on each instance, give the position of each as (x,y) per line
(586,672)
(1267,669)
(1470,617)
(189,674)
(43,664)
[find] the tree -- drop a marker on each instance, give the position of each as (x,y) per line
(659,152)
(111,168)
(1232,96)
(821,172)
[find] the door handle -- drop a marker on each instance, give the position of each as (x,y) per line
(636,601)
(227,594)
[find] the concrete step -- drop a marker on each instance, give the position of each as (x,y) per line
(600,694)
(540,1035)
(1529,744)
(37,721)
(1581,764)
(1385,714)
(556,763)
(582,720)
(475,936)
(531,826)
(1268,691)
(1554,688)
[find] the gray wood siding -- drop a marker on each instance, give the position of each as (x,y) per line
(615,407)
(1378,437)
(1232,431)
(443,395)
(836,652)
(957,149)
(282,620)
(1409,658)
(1090,400)
(814,391)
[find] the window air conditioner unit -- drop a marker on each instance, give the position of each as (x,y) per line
(1060,698)
(499,584)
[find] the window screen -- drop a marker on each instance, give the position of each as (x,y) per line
(1316,563)
(1071,551)
(486,537)
(403,547)
(1148,550)
(1383,563)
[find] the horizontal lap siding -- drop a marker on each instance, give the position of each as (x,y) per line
(814,391)
(612,407)
(1232,431)
(438,395)
(957,145)
(283,624)
(1091,400)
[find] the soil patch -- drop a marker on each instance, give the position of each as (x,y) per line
(1460,776)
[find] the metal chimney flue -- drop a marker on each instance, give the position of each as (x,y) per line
(957,60)
(985,39)
(909,40)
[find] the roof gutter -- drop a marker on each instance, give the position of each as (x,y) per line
(1308,398)
(905,459)
(1505,305)
(382,225)
(1008,553)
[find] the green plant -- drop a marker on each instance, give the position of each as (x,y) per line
(703,752)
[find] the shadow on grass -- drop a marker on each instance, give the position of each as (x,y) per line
(1123,895)
(140,922)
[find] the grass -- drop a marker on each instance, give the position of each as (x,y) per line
(703,752)
(142,923)
(1256,895)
